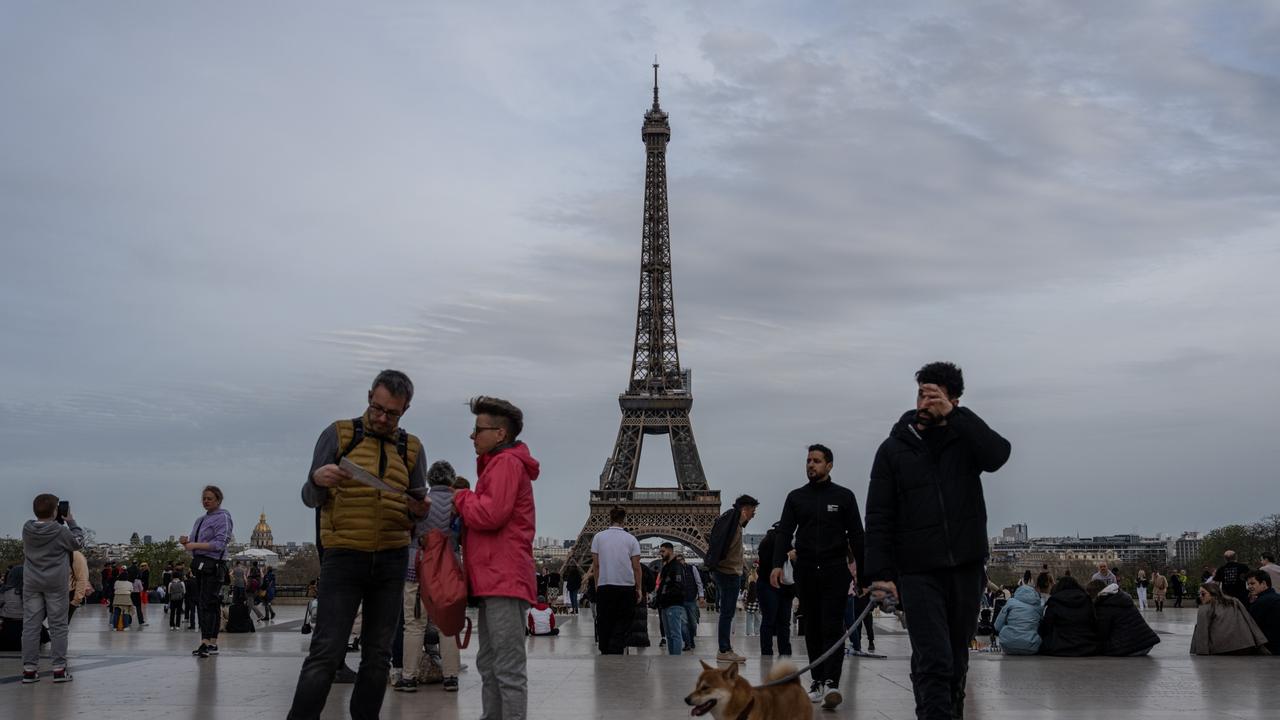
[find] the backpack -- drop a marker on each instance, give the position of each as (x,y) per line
(176,590)
(442,583)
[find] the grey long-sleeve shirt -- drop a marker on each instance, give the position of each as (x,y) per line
(326,453)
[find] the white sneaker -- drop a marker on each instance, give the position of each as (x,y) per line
(831,696)
(816,690)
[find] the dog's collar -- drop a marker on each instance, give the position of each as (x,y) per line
(746,711)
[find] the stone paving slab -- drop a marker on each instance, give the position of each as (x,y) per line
(149,674)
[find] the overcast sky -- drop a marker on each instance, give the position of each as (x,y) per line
(219,221)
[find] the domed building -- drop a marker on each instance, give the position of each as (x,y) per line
(261,537)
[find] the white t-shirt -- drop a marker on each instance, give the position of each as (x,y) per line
(541,620)
(615,547)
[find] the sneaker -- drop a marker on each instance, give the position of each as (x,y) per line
(200,650)
(60,675)
(741,658)
(871,647)
(729,656)
(831,697)
(405,685)
(662,642)
(451,683)
(211,649)
(816,689)
(30,676)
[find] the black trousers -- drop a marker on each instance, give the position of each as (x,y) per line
(823,591)
(615,611)
(209,574)
(942,617)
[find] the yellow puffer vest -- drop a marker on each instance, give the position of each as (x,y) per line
(358,517)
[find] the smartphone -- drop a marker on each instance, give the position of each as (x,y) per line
(64,508)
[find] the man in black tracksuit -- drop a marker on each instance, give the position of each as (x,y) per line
(827,526)
(927,532)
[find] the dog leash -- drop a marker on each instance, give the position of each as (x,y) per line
(887,604)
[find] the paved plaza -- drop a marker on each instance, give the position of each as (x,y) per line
(141,675)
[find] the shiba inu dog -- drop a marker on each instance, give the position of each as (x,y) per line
(726,695)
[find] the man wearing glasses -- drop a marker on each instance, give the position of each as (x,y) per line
(364,526)
(497,552)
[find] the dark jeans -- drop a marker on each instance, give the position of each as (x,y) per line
(942,617)
(573,599)
(858,603)
(615,611)
(691,616)
(175,613)
(137,605)
(350,579)
(775,617)
(823,591)
(209,575)
(727,592)
(193,610)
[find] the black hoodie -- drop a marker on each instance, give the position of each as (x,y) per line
(925,508)
(1121,630)
(1069,627)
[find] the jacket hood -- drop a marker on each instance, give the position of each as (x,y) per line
(1028,595)
(905,424)
(1111,589)
(518,450)
(219,511)
(1072,597)
(41,533)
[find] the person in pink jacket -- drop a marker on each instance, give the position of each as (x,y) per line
(497,554)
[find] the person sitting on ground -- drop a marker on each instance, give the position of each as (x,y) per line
(122,604)
(542,619)
(1069,628)
(1265,608)
(1224,626)
(1121,630)
(1019,622)
(1044,586)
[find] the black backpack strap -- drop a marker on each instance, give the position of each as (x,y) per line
(357,436)
(402,447)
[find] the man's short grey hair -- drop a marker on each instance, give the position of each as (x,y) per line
(396,383)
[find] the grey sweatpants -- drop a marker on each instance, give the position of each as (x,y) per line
(504,689)
(36,608)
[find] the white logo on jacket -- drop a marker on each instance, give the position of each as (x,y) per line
(833,508)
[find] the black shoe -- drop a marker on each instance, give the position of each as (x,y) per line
(405,685)
(200,650)
(871,647)
(211,649)
(451,683)
(344,675)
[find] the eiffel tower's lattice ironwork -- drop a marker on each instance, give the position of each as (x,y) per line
(659,395)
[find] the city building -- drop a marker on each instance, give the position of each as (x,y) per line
(1187,547)
(1015,533)
(1122,549)
(261,537)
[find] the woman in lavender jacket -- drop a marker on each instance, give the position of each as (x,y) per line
(207,544)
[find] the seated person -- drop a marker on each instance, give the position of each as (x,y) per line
(1265,608)
(1019,622)
(1121,630)
(1069,628)
(1224,626)
(542,619)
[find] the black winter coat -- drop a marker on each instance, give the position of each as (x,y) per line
(1068,628)
(1121,629)
(1266,612)
(925,512)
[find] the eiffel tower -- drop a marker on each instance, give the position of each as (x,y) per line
(659,396)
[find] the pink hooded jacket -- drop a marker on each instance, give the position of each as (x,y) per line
(499,522)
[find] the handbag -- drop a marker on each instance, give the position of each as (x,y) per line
(788,574)
(441,583)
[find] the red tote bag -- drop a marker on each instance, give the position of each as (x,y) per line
(441,583)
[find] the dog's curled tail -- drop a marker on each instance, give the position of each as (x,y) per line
(781,670)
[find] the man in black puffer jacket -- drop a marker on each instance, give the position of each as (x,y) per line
(927,531)
(1068,628)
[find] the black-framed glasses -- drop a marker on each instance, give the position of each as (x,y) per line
(477,429)
(376,409)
